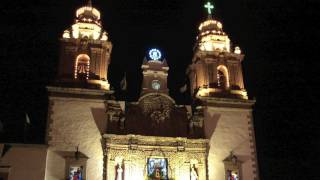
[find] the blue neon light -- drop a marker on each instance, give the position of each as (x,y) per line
(155,54)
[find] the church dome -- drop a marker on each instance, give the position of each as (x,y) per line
(88,14)
(211,36)
(87,24)
(212,26)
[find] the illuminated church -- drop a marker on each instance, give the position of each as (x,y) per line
(93,136)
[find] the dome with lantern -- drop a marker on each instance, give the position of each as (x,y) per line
(88,14)
(211,35)
(87,24)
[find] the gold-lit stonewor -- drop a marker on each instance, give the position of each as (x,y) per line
(213,58)
(91,135)
(85,38)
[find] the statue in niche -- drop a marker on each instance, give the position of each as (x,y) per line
(119,172)
(193,173)
(191,127)
(122,121)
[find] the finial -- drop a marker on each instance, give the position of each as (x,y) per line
(76,154)
(209,6)
(89,3)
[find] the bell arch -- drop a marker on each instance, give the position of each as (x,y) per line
(82,67)
(223,77)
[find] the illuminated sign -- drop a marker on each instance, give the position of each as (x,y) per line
(155,54)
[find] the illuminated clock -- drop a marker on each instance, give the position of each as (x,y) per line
(155,54)
(155,85)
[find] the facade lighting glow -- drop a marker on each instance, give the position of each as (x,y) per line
(87,8)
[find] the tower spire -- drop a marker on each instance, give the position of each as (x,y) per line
(89,3)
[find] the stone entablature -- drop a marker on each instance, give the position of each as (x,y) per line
(134,150)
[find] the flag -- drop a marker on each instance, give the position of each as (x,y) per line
(28,119)
(123,83)
(1,127)
(183,88)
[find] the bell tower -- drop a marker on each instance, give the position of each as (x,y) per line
(85,51)
(77,100)
(220,100)
(155,73)
(216,69)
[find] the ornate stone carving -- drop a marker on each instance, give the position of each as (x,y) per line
(156,106)
(136,149)
(115,113)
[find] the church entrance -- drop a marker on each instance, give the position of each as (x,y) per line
(155,158)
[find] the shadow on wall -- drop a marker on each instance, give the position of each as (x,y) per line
(100,118)
(211,124)
(243,158)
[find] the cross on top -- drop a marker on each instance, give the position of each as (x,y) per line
(209,6)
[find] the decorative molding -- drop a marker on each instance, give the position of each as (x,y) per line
(135,149)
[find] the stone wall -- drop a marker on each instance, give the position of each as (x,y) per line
(24,161)
(229,129)
(73,122)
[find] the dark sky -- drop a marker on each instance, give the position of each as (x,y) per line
(275,36)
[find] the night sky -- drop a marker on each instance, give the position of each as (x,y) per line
(279,66)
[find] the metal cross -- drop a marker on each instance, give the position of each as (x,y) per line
(209,6)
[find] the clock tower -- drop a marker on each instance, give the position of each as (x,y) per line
(155,73)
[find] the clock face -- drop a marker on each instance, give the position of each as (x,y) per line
(156,85)
(155,54)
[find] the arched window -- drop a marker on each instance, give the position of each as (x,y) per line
(82,66)
(222,77)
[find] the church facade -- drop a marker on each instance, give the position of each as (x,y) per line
(93,136)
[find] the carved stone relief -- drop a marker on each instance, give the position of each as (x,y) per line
(179,152)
